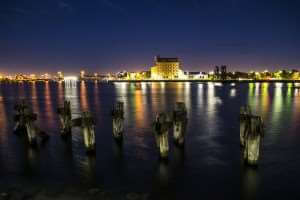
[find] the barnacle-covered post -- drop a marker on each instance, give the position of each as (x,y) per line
(87,124)
(253,137)
(118,120)
(161,128)
(65,118)
(179,123)
(245,112)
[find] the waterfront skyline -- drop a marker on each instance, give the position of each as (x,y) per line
(110,35)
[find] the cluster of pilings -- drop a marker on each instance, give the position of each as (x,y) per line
(25,124)
(86,122)
(251,128)
(251,134)
(164,123)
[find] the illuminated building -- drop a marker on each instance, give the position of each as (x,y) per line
(165,68)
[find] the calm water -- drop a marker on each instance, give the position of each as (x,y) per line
(209,167)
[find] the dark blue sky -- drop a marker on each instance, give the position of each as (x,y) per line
(110,35)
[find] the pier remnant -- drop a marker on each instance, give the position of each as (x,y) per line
(245,112)
(179,123)
(87,124)
(252,137)
(19,119)
(118,120)
(65,118)
(25,119)
(161,129)
(30,128)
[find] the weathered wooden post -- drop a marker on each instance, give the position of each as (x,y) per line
(25,119)
(65,117)
(118,121)
(179,123)
(245,112)
(19,119)
(87,124)
(161,128)
(30,128)
(253,136)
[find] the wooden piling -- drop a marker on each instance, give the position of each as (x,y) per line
(252,137)
(118,121)
(87,124)
(245,112)
(179,123)
(161,129)
(65,118)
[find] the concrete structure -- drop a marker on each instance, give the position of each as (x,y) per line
(65,118)
(161,129)
(165,68)
(179,123)
(118,120)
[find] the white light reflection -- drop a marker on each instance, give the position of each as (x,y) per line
(187,96)
(70,81)
(212,102)
(232,92)
(218,84)
(278,85)
(297,84)
(121,89)
(144,87)
(162,86)
(71,94)
(277,109)
(200,96)
(257,87)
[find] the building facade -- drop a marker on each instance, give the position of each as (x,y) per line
(165,68)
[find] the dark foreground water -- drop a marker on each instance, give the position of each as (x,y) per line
(208,168)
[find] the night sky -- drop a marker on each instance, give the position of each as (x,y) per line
(112,35)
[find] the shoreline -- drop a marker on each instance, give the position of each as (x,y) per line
(26,191)
(159,81)
(213,81)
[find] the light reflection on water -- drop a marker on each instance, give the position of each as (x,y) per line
(211,155)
